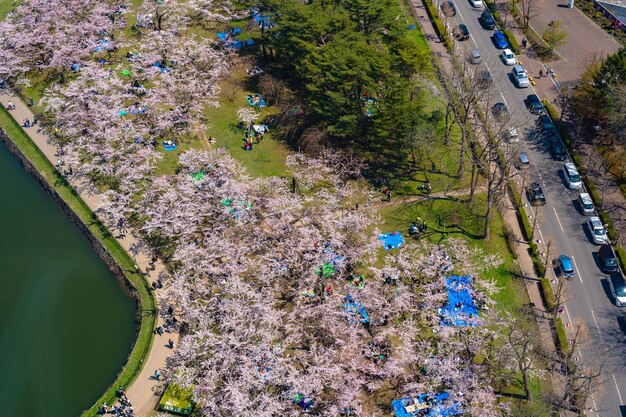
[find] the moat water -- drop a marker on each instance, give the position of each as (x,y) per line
(66,324)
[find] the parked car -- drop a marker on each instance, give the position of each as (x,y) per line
(565,266)
(557,149)
(520,77)
(474,56)
(461,32)
(499,40)
(487,20)
(596,228)
(476,3)
(545,124)
(500,112)
(534,104)
(511,135)
(586,204)
(572,177)
(608,261)
(448,8)
(524,161)
(486,78)
(535,194)
(508,57)
(618,288)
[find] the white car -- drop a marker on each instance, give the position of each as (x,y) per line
(508,57)
(476,3)
(598,233)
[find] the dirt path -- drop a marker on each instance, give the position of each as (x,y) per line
(145,390)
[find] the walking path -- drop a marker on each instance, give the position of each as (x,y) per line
(145,390)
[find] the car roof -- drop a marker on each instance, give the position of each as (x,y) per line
(518,68)
(595,219)
(533,97)
(566,262)
(570,166)
(524,157)
(508,51)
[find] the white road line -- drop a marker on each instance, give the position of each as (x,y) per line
(541,234)
(596,323)
(577,271)
(559,220)
(569,319)
(619,394)
(503,99)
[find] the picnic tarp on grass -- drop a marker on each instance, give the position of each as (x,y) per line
(461,305)
(439,407)
(391,240)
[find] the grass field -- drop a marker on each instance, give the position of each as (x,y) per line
(147,303)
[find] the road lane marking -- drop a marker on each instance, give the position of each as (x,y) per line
(577,271)
(559,220)
(596,323)
(569,319)
(619,394)
(503,99)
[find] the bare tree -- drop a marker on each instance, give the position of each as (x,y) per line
(522,343)
(528,9)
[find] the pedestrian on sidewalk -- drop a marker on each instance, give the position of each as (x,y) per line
(157,375)
(524,42)
(31,102)
(10,106)
(540,72)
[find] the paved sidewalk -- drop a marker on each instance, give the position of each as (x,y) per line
(144,391)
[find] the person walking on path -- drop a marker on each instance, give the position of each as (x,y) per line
(157,375)
(10,106)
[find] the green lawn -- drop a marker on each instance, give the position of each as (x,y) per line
(265,159)
(147,304)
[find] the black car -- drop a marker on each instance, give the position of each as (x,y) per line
(557,149)
(487,20)
(500,112)
(545,123)
(534,104)
(461,32)
(535,194)
(448,8)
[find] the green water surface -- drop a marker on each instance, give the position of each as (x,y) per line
(66,324)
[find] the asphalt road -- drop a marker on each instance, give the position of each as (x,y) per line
(588,296)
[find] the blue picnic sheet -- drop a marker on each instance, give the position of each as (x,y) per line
(391,240)
(461,305)
(260,103)
(439,408)
(354,309)
(169,147)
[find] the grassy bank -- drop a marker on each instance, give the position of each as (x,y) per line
(147,305)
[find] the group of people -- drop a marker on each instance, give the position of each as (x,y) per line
(125,409)
(418,227)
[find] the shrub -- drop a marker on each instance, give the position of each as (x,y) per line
(515,46)
(561,336)
(526,227)
(441,28)
(548,294)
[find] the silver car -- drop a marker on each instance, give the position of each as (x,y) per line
(598,233)
(520,76)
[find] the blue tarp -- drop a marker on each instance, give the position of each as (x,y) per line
(260,103)
(438,407)
(103,45)
(411,27)
(391,240)
(161,67)
(228,39)
(267,21)
(354,309)
(460,302)
(169,147)
(304,402)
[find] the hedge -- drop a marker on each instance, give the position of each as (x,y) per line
(441,28)
(547,293)
(515,46)
(561,336)
(533,251)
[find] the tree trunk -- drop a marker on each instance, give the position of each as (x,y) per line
(526,382)
(461,170)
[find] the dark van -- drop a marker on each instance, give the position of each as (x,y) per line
(618,288)
(608,261)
